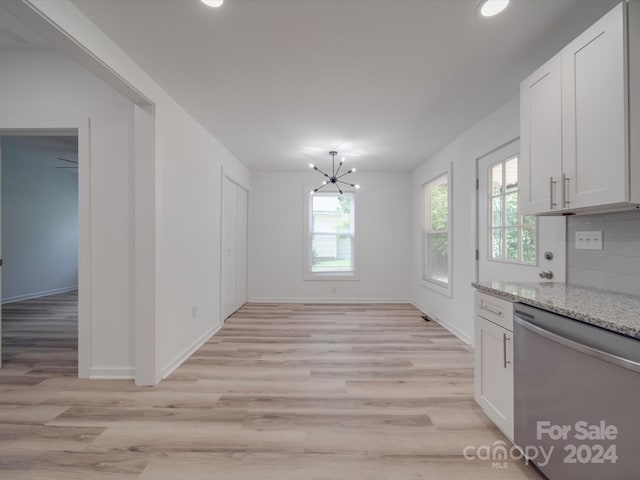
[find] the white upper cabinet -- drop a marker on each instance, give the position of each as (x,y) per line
(575,125)
(593,106)
(541,138)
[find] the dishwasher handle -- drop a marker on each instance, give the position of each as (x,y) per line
(592,352)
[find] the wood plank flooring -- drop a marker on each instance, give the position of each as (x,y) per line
(281,392)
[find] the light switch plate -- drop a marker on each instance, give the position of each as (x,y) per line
(590,240)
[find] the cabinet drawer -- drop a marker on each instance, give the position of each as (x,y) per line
(495,310)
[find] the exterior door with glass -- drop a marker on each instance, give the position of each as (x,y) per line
(511,246)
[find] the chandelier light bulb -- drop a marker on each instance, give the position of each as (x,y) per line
(335,178)
(311,192)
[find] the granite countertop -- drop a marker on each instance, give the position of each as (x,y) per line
(613,311)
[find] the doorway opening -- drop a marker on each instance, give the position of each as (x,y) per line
(39,230)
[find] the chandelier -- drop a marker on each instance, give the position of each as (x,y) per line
(335,176)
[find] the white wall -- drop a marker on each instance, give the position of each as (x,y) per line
(181,194)
(39,219)
(46,84)
(277,232)
(456,312)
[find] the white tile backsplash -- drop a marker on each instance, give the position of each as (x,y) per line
(617,266)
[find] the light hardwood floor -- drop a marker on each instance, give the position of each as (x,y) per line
(281,392)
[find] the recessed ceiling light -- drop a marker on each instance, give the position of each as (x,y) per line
(489,8)
(213,3)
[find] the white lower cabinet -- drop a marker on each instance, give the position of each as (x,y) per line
(494,360)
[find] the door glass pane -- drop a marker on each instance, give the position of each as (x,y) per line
(511,174)
(529,244)
(511,209)
(496,180)
(496,212)
(511,242)
(496,243)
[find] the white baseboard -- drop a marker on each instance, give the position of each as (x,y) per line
(111,373)
(46,293)
(448,325)
(187,352)
(326,300)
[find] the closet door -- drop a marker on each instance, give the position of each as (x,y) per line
(242,211)
(229,247)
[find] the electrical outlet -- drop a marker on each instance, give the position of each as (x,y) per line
(194,311)
(591,240)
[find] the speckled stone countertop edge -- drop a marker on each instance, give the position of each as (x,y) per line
(584,317)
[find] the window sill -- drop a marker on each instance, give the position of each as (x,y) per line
(331,276)
(441,288)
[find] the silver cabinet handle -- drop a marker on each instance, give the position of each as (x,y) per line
(505,362)
(552,184)
(495,312)
(565,191)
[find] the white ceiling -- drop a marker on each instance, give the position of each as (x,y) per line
(386,82)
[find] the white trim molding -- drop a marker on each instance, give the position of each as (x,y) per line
(446,324)
(103,372)
(327,300)
(190,350)
(46,293)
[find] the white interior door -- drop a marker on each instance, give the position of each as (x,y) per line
(242,212)
(229,235)
(511,247)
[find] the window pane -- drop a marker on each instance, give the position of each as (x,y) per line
(511,174)
(529,220)
(331,253)
(496,180)
(511,207)
(438,256)
(511,242)
(496,212)
(332,214)
(529,244)
(496,243)
(439,207)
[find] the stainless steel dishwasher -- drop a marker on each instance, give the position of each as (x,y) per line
(577,397)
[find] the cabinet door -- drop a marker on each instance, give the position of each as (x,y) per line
(494,373)
(541,139)
(593,101)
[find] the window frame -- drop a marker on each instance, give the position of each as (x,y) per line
(445,288)
(503,228)
(308,274)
